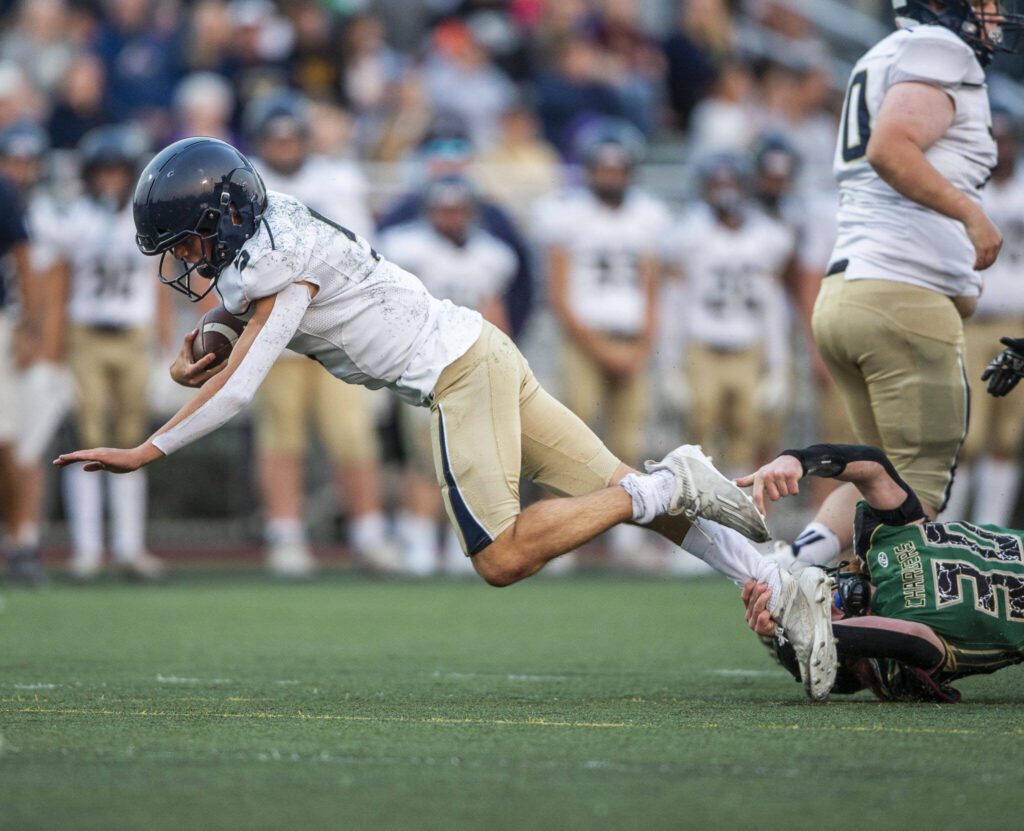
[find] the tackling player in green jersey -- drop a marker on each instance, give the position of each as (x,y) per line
(930,602)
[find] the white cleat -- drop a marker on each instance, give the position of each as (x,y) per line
(143,566)
(291,561)
(383,558)
(804,615)
(702,491)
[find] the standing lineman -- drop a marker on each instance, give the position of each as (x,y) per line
(913,154)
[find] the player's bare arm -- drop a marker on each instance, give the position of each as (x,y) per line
(125,460)
(912,118)
(867,468)
(870,636)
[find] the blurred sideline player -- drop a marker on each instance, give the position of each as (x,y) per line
(447,150)
(459,261)
(20,341)
(988,468)
(601,243)
(44,388)
(298,391)
(111,316)
(302,280)
(777,165)
(928,602)
(913,152)
(732,257)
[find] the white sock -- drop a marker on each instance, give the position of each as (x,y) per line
(650,493)
(368,531)
(730,553)
(996,487)
(83,498)
(286,530)
(28,536)
(960,495)
(417,536)
(817,545)
(127,514)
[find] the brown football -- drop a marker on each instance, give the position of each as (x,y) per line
(218,332)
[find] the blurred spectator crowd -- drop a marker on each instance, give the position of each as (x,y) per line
(472,142)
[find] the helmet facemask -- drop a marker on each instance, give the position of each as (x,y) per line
(221,231)
(1000,29)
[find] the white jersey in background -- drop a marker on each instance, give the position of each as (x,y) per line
(371,322)
(1004,289)
(112,282)
(883,235)
(733,297)
(605,246)
(334,187)
(466,274)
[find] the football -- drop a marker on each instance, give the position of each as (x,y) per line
(218,332)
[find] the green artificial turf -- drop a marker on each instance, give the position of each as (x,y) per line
(226,701)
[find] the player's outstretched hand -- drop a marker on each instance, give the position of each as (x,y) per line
(755,597)
(191,373)
(779,478)
(1006,369)
(111,458)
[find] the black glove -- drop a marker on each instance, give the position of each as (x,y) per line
(1006,369)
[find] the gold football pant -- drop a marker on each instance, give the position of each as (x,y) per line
(618,405)
(896,353)
(492,423)
(299,393)
(725,420)
(111,368)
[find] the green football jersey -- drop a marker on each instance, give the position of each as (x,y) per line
(964,581)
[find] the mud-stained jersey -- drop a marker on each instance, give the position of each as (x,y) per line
(466,274)
(605,247)
(112,282)
(883,235)
(964,581)
(371,322)
(733,294)
(1004,292)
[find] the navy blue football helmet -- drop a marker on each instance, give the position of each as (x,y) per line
(198,187)
(968,20)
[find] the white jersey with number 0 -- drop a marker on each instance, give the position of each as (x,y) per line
(112,283)
(467,274)
(882,234)
(371,322)
(732,276)
(1004,281)
(605,247)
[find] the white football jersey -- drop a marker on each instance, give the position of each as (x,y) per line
(371,322)
(466,274)
(1004,280)
(605,246)
(732,276)
(882,234)
(112,282)
(333,187)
